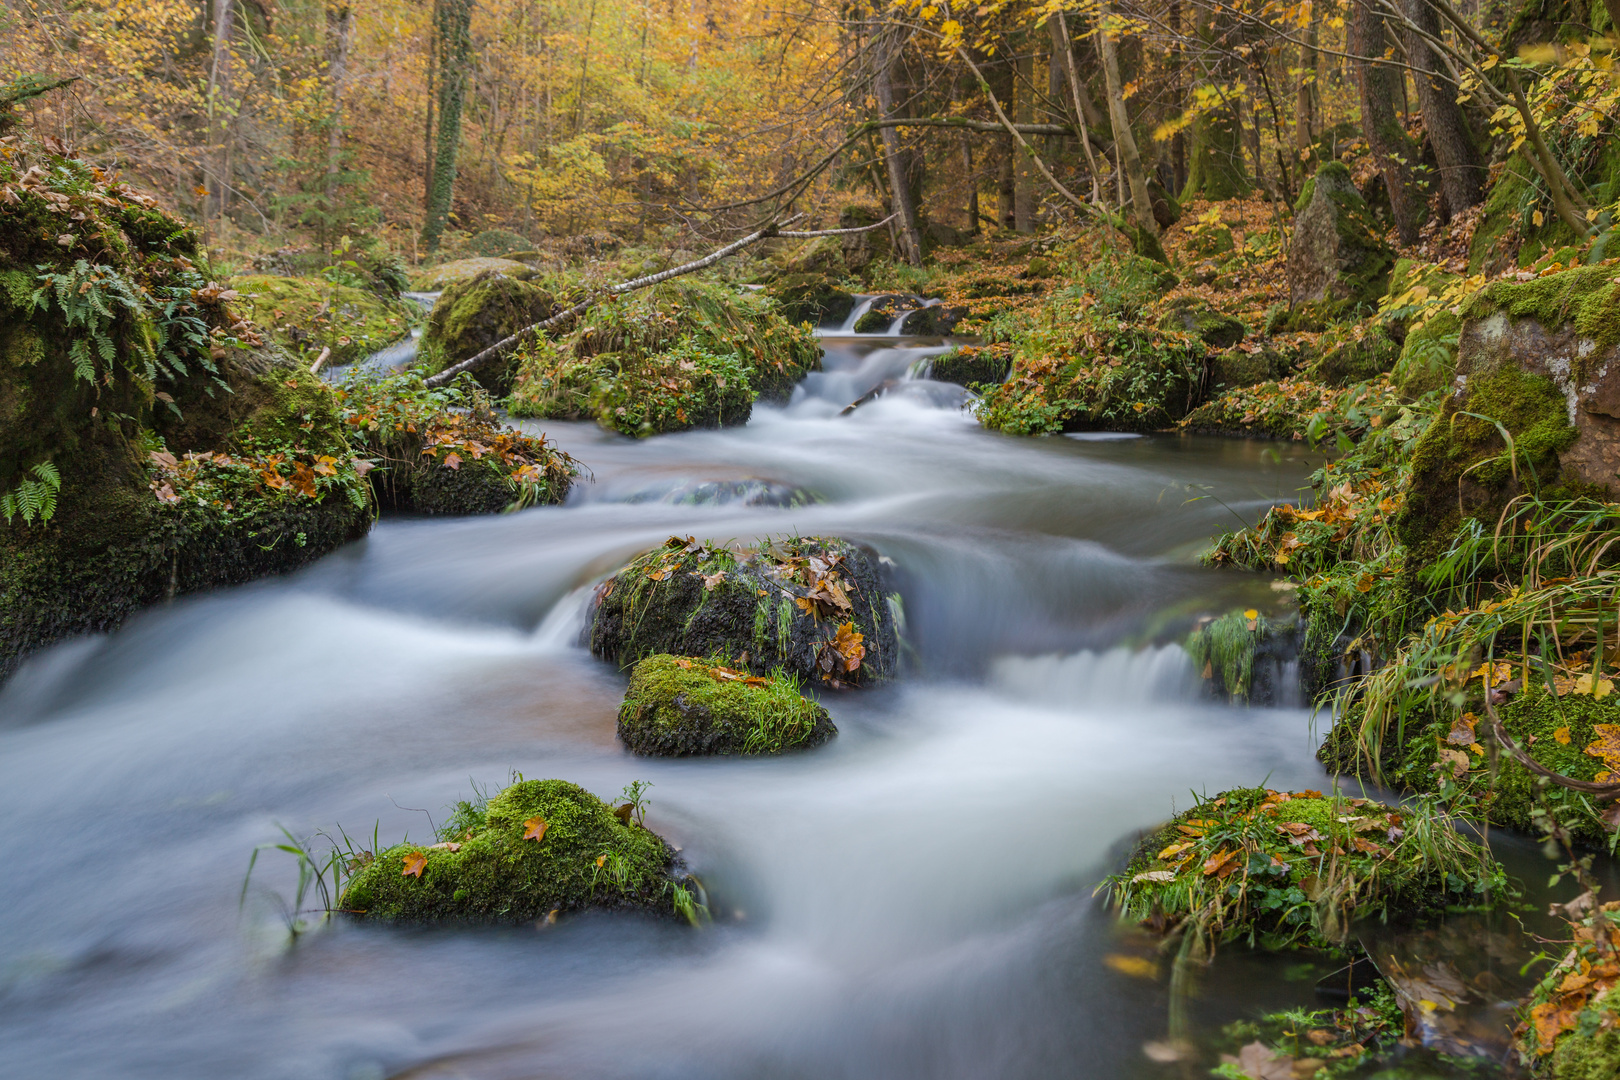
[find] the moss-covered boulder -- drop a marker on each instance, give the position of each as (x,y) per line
(1246,366)
(1282,869)
(444,275)
(683,354)
(1364,355)
(814,607)
(933,320)
(474,313)
(811,298)
(444,451)
(970,365)
(151,442)
(1243,656)
(680,706)
(864,248)
(308,315)
(1337,255)
(1195,316)
(539,847)
(821,256)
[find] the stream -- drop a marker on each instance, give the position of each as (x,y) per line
(913,900)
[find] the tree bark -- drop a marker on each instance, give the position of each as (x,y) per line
(1024,176)
(455,47)
(1391,149)
(894,155)
(1305,108)
(1124,140)
(1462,172)
(1215,168)
(219,78)
(337,76)
(1062,40)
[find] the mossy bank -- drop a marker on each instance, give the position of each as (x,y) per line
(679,706)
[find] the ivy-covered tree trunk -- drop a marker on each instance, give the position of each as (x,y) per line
(453,22)
(1379,84)
(1462,172)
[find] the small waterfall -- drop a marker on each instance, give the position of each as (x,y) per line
(1092,679)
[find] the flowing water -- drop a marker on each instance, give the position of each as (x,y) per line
(912,900)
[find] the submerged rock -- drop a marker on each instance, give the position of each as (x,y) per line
(538,848)
(678,706)
(935,320)
(814,607)
(1243,656)
(882,312)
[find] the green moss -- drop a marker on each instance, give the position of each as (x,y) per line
(1194,316)
(679,355)
(474,313)
(1579,1055)
(971,365)
(1356,360)
(678,706)
(1461,467)
(1283,869)
(1586,297)
(873,322)
(446,274)
(307,315)
(696,599)
(489,873)
(810,298)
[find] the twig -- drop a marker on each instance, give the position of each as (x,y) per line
(321,359)
(623,287)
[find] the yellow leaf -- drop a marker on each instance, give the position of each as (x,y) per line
(415,863)
(535,829)
(1537,218)
(1251,614)
(1137,967)
(1561,736)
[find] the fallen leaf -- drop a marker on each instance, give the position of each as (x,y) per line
(452,461)
(600,859)
(1458,759)
(623,812)
(1607,746)
(535,829)
(1299,832)
(1561,736)
(1222,863)
(448,845)
(1137,967)
(415,863)
(1258,1061)
(1154,875)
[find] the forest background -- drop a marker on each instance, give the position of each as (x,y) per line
(426,123)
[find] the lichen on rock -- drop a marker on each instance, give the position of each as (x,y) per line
(814,607)
(537,848)
(679,706)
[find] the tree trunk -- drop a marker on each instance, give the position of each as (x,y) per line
(337,76)
(427,130)
(1064,44)
(1005,212)
(1305,109)
(455,62)
(217,181)
(1391,149)
(1024,180)
(1462,172)
(895,158)
(973,186)
(1178,98)
(1215,168)
(1124,140)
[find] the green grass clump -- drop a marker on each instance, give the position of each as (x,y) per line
(1285,869)
(490,866)
(679,706)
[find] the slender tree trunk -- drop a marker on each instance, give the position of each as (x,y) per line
(217,182)
(1387,140)
(894,155)
(584,70)
(1060,28)
(973,186)
(1024,110)
(337,76)
(1005,185)
(1124,141)
(427,129)
(1178,98)
(1215,166)
(1462,172)
(455,38)
(1305,109)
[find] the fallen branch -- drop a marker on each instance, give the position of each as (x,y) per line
(501,346)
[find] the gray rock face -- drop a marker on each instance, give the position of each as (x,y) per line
(1586,374)
(1336,253)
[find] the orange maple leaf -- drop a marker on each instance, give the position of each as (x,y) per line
(415,863)
(535,829)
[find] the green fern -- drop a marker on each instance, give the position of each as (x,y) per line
(90,298)
(34,498)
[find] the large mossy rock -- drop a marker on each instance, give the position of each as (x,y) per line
(810,298)
(971,365)
(151,443)
(474,313)
(540,846)
(813,607)
(446,274)
(862,249)
(307,315)
(1337,258)
(1195,316)
(1356,360)
(681,706)
(683,354)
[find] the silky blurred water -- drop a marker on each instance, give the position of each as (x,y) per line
(913,900)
